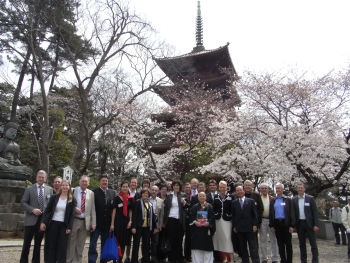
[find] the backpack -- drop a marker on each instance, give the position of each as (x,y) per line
(346,208)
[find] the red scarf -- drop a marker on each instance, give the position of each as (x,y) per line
(125,198)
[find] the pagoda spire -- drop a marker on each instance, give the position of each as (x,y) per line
(199,30)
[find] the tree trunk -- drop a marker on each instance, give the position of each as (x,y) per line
(19,87)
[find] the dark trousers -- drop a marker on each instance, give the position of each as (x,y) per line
(187,245)
(145,234)
(175,233)
(154,246)
(249,237)
(284,241)
(235,243)
(303,230)
(160,254)
(29,233)
(336,228)
(92,254)
(57,242)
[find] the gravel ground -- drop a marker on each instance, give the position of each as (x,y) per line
(328,252)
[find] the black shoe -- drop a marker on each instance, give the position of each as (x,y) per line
(336,243)
(344,244)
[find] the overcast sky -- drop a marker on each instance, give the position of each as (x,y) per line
(263,34)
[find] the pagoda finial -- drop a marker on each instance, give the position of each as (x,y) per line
(199,30)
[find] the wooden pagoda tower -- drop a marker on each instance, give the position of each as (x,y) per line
(200,66)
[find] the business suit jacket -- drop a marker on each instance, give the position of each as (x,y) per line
(310,210)
(167,206)
(138,215)
(50,210)
(244,219)
(90,212)
(160,212)
(222,208)
(30,201)
(137,196)
(289,212)
(210,199)
(194,200)
(103,207)
(259,206)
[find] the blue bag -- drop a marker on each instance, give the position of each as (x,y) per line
(110,249)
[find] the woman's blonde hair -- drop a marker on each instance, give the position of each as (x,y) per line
(69,194)
(223,182)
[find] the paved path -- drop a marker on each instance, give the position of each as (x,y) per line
(329,252)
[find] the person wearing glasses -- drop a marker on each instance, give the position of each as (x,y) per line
(265,229)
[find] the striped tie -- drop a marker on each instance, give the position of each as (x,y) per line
(41,199)
(83,202)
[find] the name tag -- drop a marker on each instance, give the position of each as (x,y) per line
(307,204)
(283,203)
(120,205)
(229,198)
(256,203)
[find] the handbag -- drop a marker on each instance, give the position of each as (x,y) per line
(120,254)
(165,246)
(110,249)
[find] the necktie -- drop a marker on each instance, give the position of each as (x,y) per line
(241,202)
(82,202)
(41,198)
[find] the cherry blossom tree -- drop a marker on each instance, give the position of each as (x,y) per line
(291,127)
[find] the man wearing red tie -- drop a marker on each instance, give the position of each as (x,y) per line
(84,221)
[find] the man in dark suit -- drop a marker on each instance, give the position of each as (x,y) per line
(282,223)
(245,224)
(103,206)
(34,202)
(201,188)
(248,189)
(57,182)
(212,191)
(307,222)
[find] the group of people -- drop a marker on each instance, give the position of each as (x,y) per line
(340,219)
(216,225)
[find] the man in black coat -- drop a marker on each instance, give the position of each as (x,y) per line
(307,222)
(245,224)
(282,222)
(212,191)
(248,189)
(103,206)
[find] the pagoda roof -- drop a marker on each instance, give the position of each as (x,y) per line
(198,54)
(202,66)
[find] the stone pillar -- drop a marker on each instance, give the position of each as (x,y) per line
(11,211)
